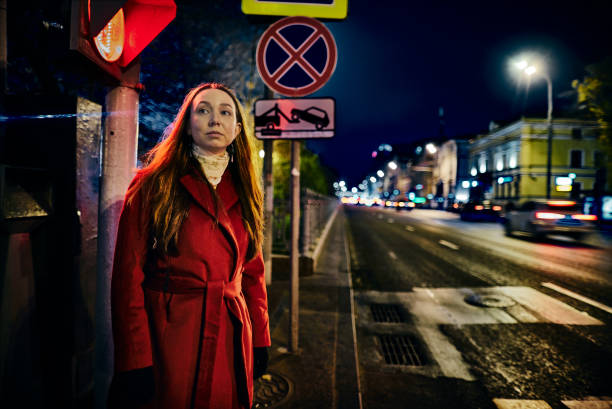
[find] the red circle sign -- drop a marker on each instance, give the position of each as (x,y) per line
(296,56)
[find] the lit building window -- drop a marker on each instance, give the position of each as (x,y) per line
(512,162)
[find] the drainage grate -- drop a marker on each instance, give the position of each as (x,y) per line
(401,350)
(271,390)
(386,313)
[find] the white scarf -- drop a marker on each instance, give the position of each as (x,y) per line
(213,166)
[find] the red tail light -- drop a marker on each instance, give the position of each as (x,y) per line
(478,207)
(549,216)
(560,203)
(584,217)
(497,208)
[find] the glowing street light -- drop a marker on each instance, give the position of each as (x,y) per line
(529,65)
(392,165)
(380,174)
(431,148)
(372,179)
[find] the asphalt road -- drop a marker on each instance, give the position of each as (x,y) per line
(549,346)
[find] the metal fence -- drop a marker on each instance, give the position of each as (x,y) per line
(315,210)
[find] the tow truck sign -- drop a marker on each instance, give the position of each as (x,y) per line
(302,118)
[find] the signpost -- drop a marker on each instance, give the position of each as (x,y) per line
(295,118)
(296,56)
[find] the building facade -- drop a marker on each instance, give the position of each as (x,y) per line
(450,170)
(509,164)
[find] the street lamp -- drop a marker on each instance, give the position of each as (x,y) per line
(530,68)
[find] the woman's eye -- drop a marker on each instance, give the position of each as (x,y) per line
(226,112)
(202,110)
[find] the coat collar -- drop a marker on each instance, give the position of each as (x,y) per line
(202,195)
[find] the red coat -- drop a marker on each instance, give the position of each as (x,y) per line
(211,304)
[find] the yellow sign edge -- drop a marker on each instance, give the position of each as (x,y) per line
(335,11)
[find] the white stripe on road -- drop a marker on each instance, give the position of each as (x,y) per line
(409,228)
(540,404)
(588,404)
(449,244)
(578,297)
(392,255)
(521,404)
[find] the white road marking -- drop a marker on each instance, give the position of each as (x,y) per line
(520,404)
(588,404)
(578,297)
(449,359)
(449,244)
(409,228)
(392,255)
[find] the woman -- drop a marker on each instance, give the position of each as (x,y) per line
(189,303)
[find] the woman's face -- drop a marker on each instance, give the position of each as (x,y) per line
(213,124)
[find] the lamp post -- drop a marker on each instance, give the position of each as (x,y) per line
(550,135)
(530,69)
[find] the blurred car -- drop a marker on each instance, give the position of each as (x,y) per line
(481,211)
(455,207)
(539,218)
(404,205)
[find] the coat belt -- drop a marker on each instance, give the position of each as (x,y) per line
(214,293)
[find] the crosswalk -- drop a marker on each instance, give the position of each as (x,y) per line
(588,403)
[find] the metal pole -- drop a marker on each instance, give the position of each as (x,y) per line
(550,136)
(268,202)
(3,47)
(3,68)
(118,165)
(268,209)
(295,254)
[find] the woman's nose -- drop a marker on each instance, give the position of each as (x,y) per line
(213,119)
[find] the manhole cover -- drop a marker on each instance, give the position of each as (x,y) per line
(271,390)
(401,350)
(490,300)
(386,313)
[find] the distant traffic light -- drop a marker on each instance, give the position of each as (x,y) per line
(112,33)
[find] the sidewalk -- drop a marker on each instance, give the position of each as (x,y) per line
(323,372)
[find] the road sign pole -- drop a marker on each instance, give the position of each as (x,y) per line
(268,202)
(295,254)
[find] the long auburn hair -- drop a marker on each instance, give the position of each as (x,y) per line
(166,201)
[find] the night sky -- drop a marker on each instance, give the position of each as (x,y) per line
(399,61)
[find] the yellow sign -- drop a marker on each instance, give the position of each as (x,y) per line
(335,9)
(564,188)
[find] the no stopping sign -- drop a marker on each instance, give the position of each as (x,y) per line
(296,56)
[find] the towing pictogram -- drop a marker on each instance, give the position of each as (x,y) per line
(294,118)
(272,119)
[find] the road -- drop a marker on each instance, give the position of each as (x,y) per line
(493,321)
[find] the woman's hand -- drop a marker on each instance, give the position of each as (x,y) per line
(131,388)
(260,361)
